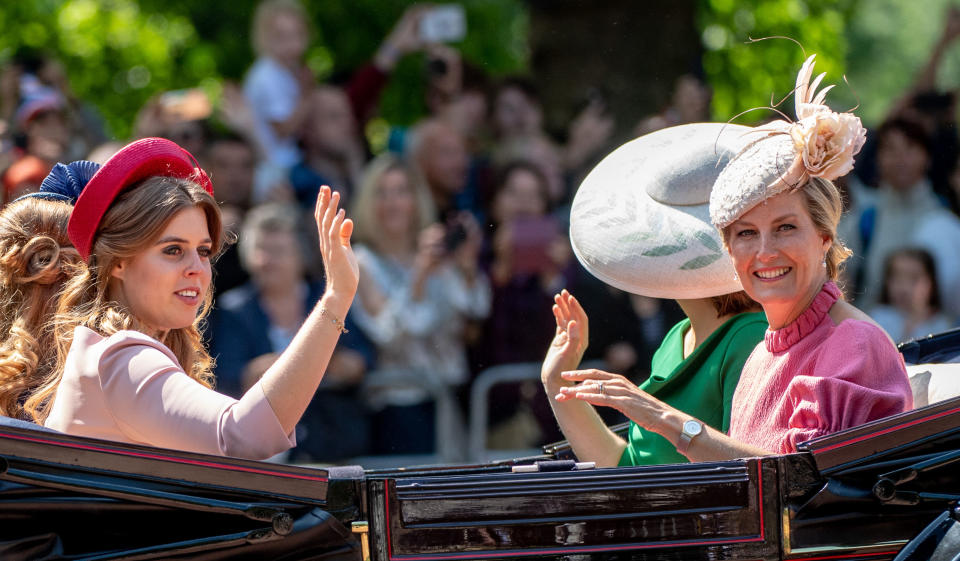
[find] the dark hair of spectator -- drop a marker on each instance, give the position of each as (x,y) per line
(913,130)
(503,174)
(227,135)
(29,60)
(525,85)
(474,79)
(929,267)
(183,132)
(734,303)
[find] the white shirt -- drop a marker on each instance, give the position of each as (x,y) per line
(273,92)
(424,337)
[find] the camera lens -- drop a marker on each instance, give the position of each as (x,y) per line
(437,67)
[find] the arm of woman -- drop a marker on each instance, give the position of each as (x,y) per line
(471,298)
(860,378)
(589,436)
(151,400)
(651,414)
(398,313)
(291,382)
(468,287)
(390,309)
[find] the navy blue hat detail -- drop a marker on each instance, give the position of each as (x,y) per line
(65,182)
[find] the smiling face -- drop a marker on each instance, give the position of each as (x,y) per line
(164,285)
(778,254)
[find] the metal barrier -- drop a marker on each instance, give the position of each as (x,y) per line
(479,400)
(449,418)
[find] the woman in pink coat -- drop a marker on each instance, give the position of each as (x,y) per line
(131,363)
(823,365)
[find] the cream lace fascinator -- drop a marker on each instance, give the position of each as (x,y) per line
(782,155)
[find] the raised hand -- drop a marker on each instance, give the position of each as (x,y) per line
(404,38)
(569,341)
(952,28)
(588,132)
(466,255)
(430,249)
(339,262)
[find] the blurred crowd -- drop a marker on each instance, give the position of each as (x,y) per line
(461,226)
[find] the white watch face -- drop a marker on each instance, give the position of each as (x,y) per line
(691,427)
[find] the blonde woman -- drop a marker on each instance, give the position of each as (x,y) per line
(418,290)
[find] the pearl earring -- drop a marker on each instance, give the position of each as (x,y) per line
(824,262)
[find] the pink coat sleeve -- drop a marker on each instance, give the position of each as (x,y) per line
(153,400)
(858,377)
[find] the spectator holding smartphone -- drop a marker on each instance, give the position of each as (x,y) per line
(420,286)
(529,260)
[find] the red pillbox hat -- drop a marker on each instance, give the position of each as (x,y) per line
(135,162)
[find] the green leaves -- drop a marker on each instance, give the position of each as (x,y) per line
(744,76)
(119,53)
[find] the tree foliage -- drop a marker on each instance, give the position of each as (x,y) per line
(890,41)
(745,74)
(118,53)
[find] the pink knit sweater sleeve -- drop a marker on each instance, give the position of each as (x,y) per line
(153,400)
(857,377)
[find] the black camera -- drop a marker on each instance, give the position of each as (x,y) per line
(436,67)
(455,236)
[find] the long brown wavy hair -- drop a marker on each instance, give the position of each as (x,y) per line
(134,221)
(36,257)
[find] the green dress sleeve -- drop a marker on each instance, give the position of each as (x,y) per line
(701,385)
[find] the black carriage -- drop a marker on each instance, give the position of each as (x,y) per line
(858,495)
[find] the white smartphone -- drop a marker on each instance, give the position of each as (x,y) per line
(444,24)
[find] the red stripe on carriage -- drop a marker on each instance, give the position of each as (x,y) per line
(165,458)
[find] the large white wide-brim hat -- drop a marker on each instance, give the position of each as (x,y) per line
(641,219)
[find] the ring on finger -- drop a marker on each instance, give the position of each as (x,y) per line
(601,388)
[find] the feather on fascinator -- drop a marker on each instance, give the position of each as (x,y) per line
(820,143)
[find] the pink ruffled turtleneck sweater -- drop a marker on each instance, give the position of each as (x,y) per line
(814,377)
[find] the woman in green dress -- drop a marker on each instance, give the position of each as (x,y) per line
(640,222)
